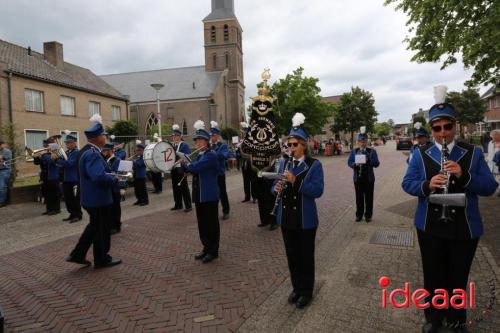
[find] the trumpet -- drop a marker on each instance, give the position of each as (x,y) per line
(188,157)
(123,177)
(133,157)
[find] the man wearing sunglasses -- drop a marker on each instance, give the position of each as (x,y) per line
(447,246)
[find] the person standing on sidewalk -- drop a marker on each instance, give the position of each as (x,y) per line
(71,184)
(363,176)
(422,139)
(297,213)
(180,186)
(246,170)
(96,198)
(5,172)
(222,153)
(52,201)
(44,173)
(447,248)
(206,194)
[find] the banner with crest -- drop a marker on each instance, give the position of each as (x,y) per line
(261,144)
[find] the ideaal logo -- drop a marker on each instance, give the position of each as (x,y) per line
(441,299)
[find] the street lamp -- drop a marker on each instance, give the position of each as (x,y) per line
(157,87)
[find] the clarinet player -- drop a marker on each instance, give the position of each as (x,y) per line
(297,213)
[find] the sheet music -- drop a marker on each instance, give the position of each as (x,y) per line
(360,159)
(125,166)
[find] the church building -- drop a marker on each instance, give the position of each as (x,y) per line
(213,91)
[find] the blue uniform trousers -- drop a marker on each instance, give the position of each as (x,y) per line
(221,180)
(71,199)
(52,200)
(207,214)
(364,198)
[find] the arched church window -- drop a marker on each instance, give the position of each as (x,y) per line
(227,60)
(151,123)
(213,37)
(226,32)
(214,60)
(184,127)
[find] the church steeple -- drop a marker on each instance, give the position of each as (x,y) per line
(224,52)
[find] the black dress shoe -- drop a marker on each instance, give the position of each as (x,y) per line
(262,225)
(114,231)
(254,200)
(368,219)
(246,200)
(208,258)
(69,218)
(302,302)
(188,210)
(200,256)
(45,213)
(112,262)
(143,204)
(358,219)
(225,216)
(136,203)
(461,329)
(78,261)
(75,219)
(53,212)
(293,298)
(175,208)
(430,328)
(274,226)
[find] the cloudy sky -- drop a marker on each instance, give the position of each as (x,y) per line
(343,43)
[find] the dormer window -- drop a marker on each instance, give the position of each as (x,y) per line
(227,60)
(226,32)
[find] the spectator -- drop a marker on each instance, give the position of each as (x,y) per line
(492,148)
(485,140)
(5,172)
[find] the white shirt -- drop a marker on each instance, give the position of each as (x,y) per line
(302,159)
(492,149)
(450,146)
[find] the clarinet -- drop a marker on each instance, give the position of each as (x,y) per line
(284,185)
(445,214)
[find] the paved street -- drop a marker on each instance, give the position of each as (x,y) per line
(160,288)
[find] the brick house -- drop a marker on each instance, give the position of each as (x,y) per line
(214,91)
(42,95)
(492,115)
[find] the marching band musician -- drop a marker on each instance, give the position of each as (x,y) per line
(71,195)
(157,177)
(222,152)
(246,171)
(181,191)
(363,176)
(205,170)
(447,247)
(44,172)
(297,213)
(422,139)
(119,152)
(113,162)
(52,199)
(96,197)
(141,193)
(5,171)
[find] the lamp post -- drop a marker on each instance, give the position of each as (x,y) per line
(157,87)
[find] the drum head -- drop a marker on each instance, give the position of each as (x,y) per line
(159,156)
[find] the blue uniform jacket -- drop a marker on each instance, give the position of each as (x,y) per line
(140,168)
(95,185)
(206,169)
(182,147)
(121,154)
(53,169)
(372,162)
(70,166)
(222,153)
(113,164)
(478,180)
(308,188)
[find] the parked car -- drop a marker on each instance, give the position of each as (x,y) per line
(403,142)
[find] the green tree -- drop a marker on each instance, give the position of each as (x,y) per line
(124,130)
(8,133)
(298,93)
(446,30)
(390,122)
(469,106)
(382,129)
(166,130)
(228,133)
(356,109)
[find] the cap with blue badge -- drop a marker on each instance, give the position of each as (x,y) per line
(108,146)
(97,129)
(244,127)
(420,130)
(200,133)
(176,130)
(214,128)
(441,109)
(69,137)
(139,144)
(362,136)
(297,131)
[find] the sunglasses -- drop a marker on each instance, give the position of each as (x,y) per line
(295,144)
(438,128)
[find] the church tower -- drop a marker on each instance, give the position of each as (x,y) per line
(223,51)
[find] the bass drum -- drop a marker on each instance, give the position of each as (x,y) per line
(159,156)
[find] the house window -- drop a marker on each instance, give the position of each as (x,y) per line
(214,60)
(94,108)
(213,37)
(496,101)
(72,133)
(226,33)
(116,113)
(227,60)
(67,106)
(184,127)
(33,139)
(33,100)
(151,123)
